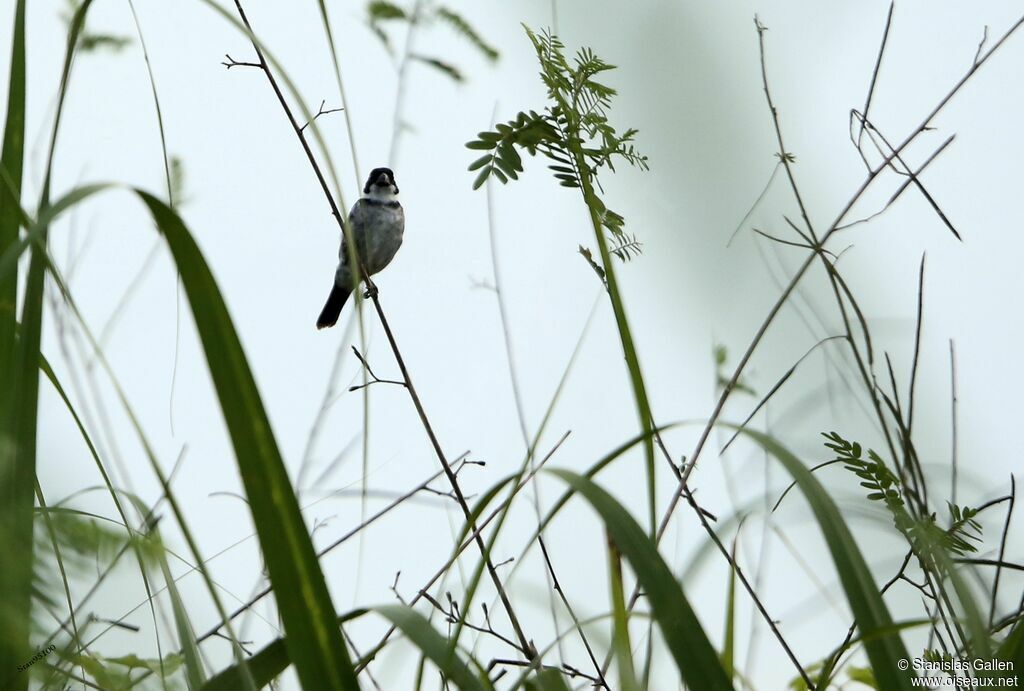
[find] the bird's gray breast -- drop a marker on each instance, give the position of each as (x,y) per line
(378,228)
(384,229)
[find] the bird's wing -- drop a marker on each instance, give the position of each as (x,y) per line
(356,220)
(357,216)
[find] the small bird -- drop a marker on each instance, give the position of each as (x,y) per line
(378,223)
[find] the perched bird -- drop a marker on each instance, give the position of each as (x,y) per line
(378,223)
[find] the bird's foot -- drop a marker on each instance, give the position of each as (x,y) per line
(370,292)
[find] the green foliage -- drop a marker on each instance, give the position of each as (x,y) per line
(441,66)
(862,675)
(528,131)
(83,540)
(547,680)
(882,642)
(380,14)
(722,379)
(114,673)
(89,41)
(435,647)
(379,11)
(924,534)
(881,483)
(463,29)
(935,655)
(575,121)
(176,168)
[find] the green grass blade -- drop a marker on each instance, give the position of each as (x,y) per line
(15,485)
(1012,650)
(35,230)
(884,651)
(18,472)
(265,665)
(195,676)
(315,643)
(12,160)
(689,646)
(547,680)
(729,645)
(621,644)
(435,646)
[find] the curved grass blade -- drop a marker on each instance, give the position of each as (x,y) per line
(265,666)
(35,230)
(729,645)
(315,644)
(1012,649)
(547,680)
(193,659)
(882,642)
(434,646)
(695,658)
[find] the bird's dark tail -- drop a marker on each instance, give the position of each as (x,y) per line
(335,301)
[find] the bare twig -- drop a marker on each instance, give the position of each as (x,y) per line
(874,73)
(369,370)
(320,111)
(453,615)
(783,154)
(466,543)
(757,202)
(1002,550)
(231,62)
(981,44)
(599,681)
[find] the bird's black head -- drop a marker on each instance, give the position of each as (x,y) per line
(380,179)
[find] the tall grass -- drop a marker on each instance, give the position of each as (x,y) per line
(650,614)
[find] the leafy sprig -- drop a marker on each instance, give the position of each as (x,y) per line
(573,132)
(461,27)
(381,13)
(924,533)
(91,41)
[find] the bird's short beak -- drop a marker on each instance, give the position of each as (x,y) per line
(383,179)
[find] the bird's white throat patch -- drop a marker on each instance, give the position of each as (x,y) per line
(382,194)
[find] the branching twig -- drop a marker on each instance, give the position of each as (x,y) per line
(567,670)
(469,540)
(453,615)
(231,62)
(369,370)
(320,111)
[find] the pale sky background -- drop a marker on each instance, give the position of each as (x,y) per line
(689,80)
